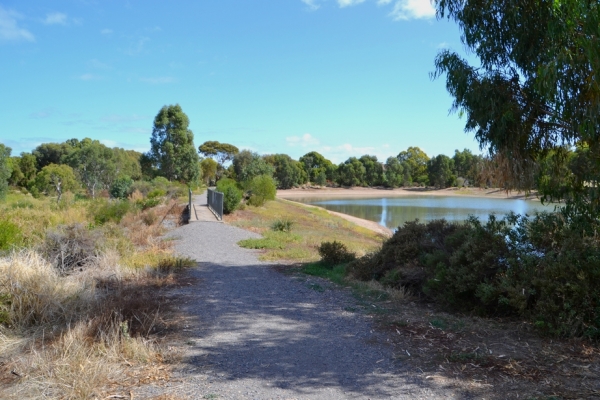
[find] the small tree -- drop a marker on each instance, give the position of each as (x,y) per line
(261,189)
(56,179)
(209,170)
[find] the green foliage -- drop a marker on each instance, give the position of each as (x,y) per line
(223,152)
(248,165)
(541,268)
(231,195)
(103,211)
(394,172)
(5,169)
(335,253)
(261,189)
(351,173)
(288,173)
(120,188)
(94,164)
(440,173)
(271,240)
(282,225)
(414,161)
(10,235)
(315,165)
(209,170)
(530,91)
(147,203)
(373,170)
(51,153)
(172,152)
(55,179)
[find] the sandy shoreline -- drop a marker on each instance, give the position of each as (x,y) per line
(360,192)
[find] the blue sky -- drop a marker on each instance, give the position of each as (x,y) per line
(342,77)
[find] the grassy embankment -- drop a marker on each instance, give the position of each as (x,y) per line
(80,305)
(311,226)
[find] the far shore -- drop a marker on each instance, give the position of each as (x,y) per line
(361,192)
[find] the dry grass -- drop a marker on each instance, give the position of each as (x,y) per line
(92,331)
(311,226)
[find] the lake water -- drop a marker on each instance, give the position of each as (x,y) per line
(395,211)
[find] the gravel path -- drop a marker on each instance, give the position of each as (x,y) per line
(255,333)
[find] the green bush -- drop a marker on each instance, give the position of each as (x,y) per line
(155,193)
(282,225)
(147,203)
(335,253)
(544,268)
(10,235)
(231,194)
(104,211)
(261,189)
(120,187)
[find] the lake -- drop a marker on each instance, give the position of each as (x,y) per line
(394,211)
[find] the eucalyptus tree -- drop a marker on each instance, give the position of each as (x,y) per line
(414,161)
(94,164)
(534,87)
(172,151)
(57,179)
(394,172)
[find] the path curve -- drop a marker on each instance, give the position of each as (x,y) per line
(255,333)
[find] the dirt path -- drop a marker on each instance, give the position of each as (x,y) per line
(255,333)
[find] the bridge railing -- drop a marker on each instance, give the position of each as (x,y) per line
(215,203)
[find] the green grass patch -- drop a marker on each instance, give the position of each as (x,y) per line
(335,274)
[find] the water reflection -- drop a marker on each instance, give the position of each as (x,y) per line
(394,211)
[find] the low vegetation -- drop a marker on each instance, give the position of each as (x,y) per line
(80,282)
(311,227)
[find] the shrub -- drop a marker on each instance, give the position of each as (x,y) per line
(10,235)
(231,199)
(145,204)
(155,193)
(335,253)
(231,194)
(282,225)
(261,189)
(120,188)
(104,211)
(71,247)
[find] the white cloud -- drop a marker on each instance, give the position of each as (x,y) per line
(303,141)
(383,2)
(158,80)
(106,31)
(312,4)
(412,9)
(10,30)
(56,18)
(346,3)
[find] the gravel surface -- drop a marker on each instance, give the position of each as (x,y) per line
(255,333)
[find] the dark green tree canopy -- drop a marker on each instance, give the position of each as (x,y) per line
(172,151)
(248,164)
(536,88)
(221,152)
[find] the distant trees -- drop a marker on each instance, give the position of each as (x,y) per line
(351,172)
(247,165)
(318,168)
(5,169)
(209,170)
(172,151)
(288,172)
(221,152)
(94,164)
(440,171)
(414,161)
(394,172)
